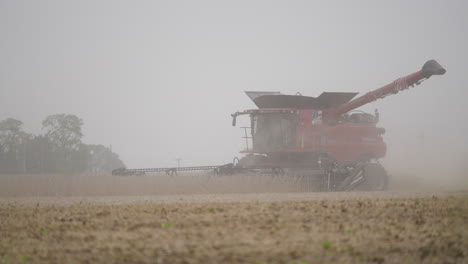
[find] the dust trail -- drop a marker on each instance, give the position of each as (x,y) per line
(89,185)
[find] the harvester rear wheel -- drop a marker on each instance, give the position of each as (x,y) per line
(374,178)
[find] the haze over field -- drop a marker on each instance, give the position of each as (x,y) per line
(158,80)
(88,85)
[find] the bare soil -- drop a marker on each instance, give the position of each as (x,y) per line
(197,223)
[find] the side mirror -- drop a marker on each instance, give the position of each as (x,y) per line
(233,120)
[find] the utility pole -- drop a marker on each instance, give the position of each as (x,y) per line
(24,157)
(178,162)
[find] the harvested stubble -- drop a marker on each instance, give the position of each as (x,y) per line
(384,230)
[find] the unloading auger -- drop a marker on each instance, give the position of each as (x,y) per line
(321,139)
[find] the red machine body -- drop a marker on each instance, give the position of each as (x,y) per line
(346,141)
(296,130)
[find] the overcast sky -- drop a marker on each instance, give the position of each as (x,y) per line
(158,80)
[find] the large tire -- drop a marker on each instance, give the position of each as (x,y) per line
(375,179)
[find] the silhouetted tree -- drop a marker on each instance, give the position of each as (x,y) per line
(102,159)
(12,146)
(11,134)
(64,131)
(39,155)
(60,150)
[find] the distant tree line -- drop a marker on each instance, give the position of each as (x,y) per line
(58,150)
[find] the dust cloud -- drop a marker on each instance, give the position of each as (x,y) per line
(92,185)
(429,166)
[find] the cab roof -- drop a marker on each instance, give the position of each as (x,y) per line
(277,100)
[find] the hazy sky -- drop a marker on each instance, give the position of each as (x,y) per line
(158,80)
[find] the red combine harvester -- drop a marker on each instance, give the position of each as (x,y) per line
(321,138)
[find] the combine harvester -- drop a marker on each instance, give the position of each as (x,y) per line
(324,141)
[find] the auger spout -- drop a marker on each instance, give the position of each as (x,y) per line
(430,68)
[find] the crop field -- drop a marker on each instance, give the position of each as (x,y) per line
(99,221)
